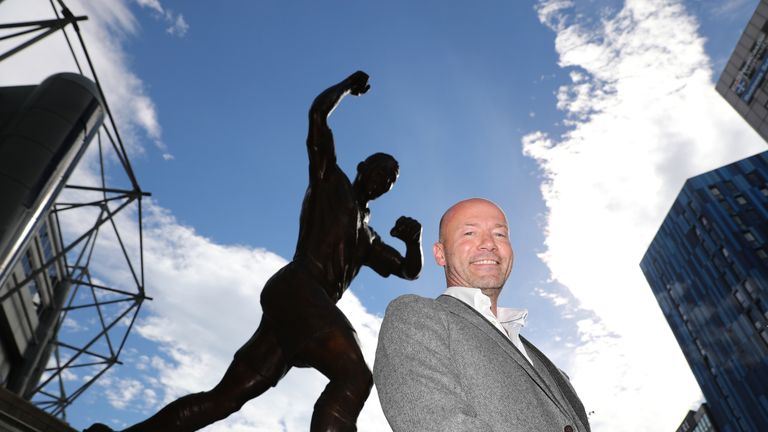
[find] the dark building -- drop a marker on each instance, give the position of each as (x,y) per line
(697,421)
(743,82)
(708,268)
(52,228)
(44,130)
(28,314)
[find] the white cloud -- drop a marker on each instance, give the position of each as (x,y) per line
(150,398)
(555,298)
(550,12)
(73,325)
(643,116)
(177,24)
(108,24)
(151,4)
(123,392)
(730,8)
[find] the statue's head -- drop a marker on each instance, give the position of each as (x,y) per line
(376,175)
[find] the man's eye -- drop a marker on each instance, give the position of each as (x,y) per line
(469,233)
(504,235)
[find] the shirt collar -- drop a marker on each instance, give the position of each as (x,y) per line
(482,303)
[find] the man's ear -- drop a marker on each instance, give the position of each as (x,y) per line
(439,253)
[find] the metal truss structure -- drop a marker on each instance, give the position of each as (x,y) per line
(99,228)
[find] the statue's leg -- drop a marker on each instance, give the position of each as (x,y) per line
(257,366)
(336,354)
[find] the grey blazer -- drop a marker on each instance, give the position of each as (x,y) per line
(440,366)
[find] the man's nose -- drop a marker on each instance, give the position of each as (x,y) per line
(487,241)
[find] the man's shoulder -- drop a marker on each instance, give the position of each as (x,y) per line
(412,307)
(411,302)
(413,319)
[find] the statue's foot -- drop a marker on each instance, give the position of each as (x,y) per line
(98,427)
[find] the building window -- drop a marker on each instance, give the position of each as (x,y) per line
(757,319)
(34,289)
(694,206)
(715,192)
(750,287)
(739,222)
(727,207)
(762,254)
(764,190)
(761,308)
(26,264)
(720,264)
(742,299)
(704,222)
(750,238)
(741,200)
(45,241)
(704,424)
(709,246)
(678,208)
(47,247)
(699,345)
(754,178)
(751,217)
(693,236)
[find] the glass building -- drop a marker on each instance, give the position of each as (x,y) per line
(28,314)
(697,421)
(708,268)
(743,83)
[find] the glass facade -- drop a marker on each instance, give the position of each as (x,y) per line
(23,310)
(697,421)
(708,268)
(743,83)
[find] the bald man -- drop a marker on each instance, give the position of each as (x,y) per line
(458,362)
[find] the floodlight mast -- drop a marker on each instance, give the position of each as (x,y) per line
(48,272)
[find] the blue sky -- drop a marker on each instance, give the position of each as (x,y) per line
(581,119)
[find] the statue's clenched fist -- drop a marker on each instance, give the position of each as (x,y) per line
(358,83)
(406,229)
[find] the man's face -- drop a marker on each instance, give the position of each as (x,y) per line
(474,245)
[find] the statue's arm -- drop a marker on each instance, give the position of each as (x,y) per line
(386,260)
(320,146)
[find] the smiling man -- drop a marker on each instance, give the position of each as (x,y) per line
(458,363)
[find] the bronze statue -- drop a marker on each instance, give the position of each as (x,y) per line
(301,325)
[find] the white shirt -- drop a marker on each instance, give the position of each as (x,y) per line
(509,321)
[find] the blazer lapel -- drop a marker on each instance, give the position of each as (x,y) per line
(466,312)
(566,391)
(556,388)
